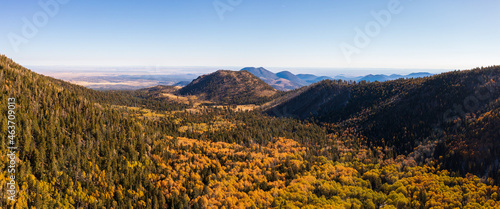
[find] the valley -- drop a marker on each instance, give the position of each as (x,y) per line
(230,140)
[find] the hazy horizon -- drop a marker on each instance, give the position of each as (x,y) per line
(200,70)
(392,34)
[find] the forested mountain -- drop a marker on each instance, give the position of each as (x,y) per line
(80,148)
(404,114)
(230,87)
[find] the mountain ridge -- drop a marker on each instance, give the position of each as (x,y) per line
(285,80)
(394,114)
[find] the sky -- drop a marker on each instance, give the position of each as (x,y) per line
(276,34)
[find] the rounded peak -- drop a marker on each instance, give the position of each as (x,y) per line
(285,72)
(221,72)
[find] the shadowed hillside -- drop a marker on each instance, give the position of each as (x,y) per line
(436,114)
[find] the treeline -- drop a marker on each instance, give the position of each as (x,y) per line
(434,113)
(78,151)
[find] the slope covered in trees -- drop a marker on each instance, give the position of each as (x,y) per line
(230,87)
(80,148)
(434,113)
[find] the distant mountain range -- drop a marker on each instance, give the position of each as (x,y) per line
(286,80)
(283,81)
(381,77)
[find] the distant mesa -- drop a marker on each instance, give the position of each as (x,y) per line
(418,75)
(382,77)
(307,76)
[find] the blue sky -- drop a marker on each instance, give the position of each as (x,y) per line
(289,34)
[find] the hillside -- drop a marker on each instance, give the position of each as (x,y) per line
(230,87)
(73,147)
(80,148)
(406,114)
